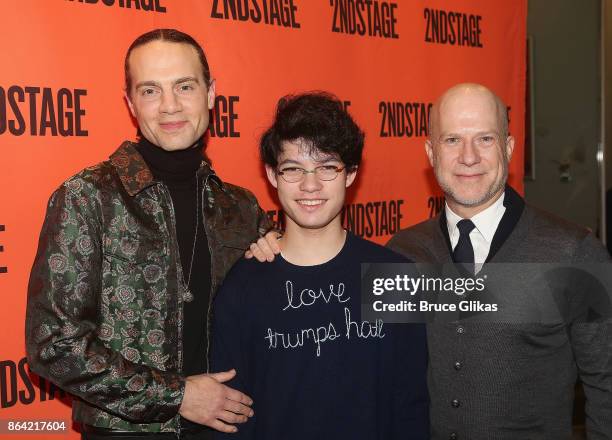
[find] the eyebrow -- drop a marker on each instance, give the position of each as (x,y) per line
(289,161)
(186,79)
(176,82)
(480,133)
(323,160)
(329,158)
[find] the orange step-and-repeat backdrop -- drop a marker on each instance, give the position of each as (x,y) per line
(62,108)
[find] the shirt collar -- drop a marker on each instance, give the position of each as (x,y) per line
(486,222)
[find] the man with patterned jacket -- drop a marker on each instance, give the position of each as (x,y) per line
(130,255)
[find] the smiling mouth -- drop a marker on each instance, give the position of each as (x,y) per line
(172,126)
(469,176)
(310,202)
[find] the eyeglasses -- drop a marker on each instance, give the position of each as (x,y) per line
(297,174)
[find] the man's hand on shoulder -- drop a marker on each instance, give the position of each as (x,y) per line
(266,248)
(208,402)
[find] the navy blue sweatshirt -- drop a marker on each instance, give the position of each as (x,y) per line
(312,367)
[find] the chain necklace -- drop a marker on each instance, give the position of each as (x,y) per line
(188,296)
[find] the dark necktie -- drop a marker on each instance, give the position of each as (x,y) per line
(464,252)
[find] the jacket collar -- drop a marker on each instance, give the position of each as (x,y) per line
(514,204)
(135,175)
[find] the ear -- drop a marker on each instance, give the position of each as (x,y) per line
(129,103)
(350,177)
(429,150)
(211,94)
(509,147)
(271,173)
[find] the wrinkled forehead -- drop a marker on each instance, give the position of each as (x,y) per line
(468,111)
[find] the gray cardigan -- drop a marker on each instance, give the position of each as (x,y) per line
(516,381)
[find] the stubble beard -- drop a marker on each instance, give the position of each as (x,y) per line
(492,191)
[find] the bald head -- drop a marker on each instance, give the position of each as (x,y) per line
(469,147)
(468,92)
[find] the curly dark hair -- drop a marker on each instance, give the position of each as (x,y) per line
(320,122)
(171,36)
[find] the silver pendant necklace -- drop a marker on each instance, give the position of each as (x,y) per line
(187,295)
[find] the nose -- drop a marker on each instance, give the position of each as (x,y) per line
(169,103)
(310,183)
(469,155)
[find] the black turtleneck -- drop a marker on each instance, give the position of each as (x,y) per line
(177,170)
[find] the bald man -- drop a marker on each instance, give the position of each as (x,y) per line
(503,380)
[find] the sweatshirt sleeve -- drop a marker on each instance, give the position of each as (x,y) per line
(410,420)
(229,348)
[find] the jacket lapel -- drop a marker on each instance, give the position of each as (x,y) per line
(514,204)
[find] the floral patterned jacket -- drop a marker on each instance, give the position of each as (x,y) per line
(105,299)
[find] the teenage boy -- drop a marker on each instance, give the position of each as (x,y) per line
(292,328)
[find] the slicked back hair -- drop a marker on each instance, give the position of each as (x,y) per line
(171,36)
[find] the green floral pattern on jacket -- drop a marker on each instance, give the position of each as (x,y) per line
(105,299)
